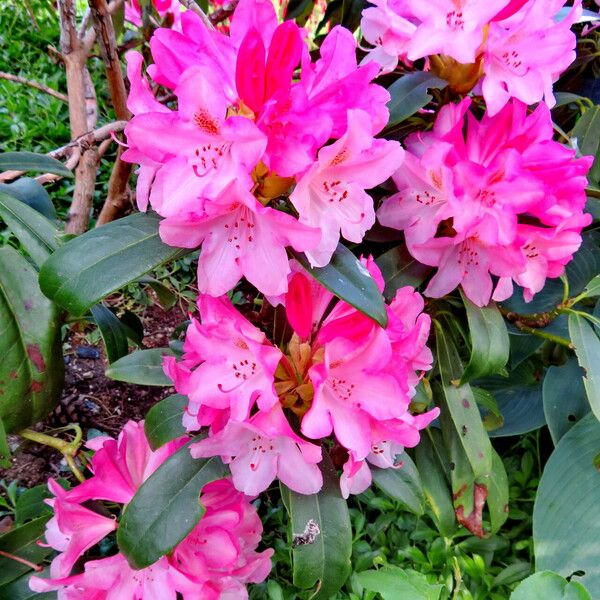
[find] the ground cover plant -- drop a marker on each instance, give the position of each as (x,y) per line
(299,300)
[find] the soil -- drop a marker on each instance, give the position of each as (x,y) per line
(91,399)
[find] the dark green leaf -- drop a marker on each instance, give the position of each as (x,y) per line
(587,132)
(394,583)
(566,530)
(30,192)
(29,161)
(462,407)
(163,421)
(32,368)
(112,331)
(549,586)
(19,589)
(587,349)
(4,448)
(325,563)
(37,234)
(30,504)
(21,542)
(166,296)
(489,341)
(166,507)
(409,94)
(398,269)
(402,484)
(143,367)
(349,280)
(103,260)
(565,400)
(133,327)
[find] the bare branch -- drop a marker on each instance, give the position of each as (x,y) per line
(34,84)
(193,6)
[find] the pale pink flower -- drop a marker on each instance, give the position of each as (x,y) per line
(502,202)
(261,449)
(331,194)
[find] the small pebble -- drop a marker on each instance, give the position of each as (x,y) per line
(87,352)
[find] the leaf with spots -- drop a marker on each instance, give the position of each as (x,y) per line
(31,371)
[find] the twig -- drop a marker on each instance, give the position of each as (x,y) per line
(34,84)
(223,12)
(193,6)
(23,561)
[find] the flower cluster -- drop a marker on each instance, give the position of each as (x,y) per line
(491,197)
(213,562)
(510,48)
(222,167)
(341,374)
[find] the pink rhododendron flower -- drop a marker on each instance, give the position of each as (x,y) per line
(255,117)
(502,200)
(517,47)
(341,374)
(169,10)
(213,562)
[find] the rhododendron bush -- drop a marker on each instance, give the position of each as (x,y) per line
(391,208)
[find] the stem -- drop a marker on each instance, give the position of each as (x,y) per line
(23,561)
(543,334)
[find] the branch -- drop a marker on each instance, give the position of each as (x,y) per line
(34,84)
(223,12)
(191,5)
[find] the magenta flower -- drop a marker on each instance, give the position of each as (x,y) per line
(501,203)
(214,561)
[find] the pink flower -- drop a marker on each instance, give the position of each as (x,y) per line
(500,203)
(170,10)
(213,562)
(265,447)
(228,364)
(331,194)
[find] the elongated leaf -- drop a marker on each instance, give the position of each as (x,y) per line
(323,564)
(549,586)
(163,421)
(402,484)
(565,400)
(112,331)
(37,234)
(30,161)
(587,133)
(166,507)
(19,589)
(4,448)
(30,504)
(394,583)
(593,287)
(566,530)
(399,269)
(435,485)
(143,367)
(32,368)
(103,260)
(30,192)
(346,277)
(22,542)
(489,341)
(587,348)
(463,408)
(409,94)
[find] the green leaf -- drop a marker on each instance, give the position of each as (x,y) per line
(402,484)
(30,504)
(133,327)
(565,400)
(323,564)
(165,295)
(30,192)
(163,421)
(592,289)
(489,341)
(143,367)
(30,161)
(37,234)
(349,280)
(32,368)
(399,269)
(566,530)
(409,94)
(587,349)
(462,407)
(21,541)
(587,132)
(103,260)
(549,586)
(4,448)
(166,507)
(394,583)
(19,589)
(435,485)
(112,332)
